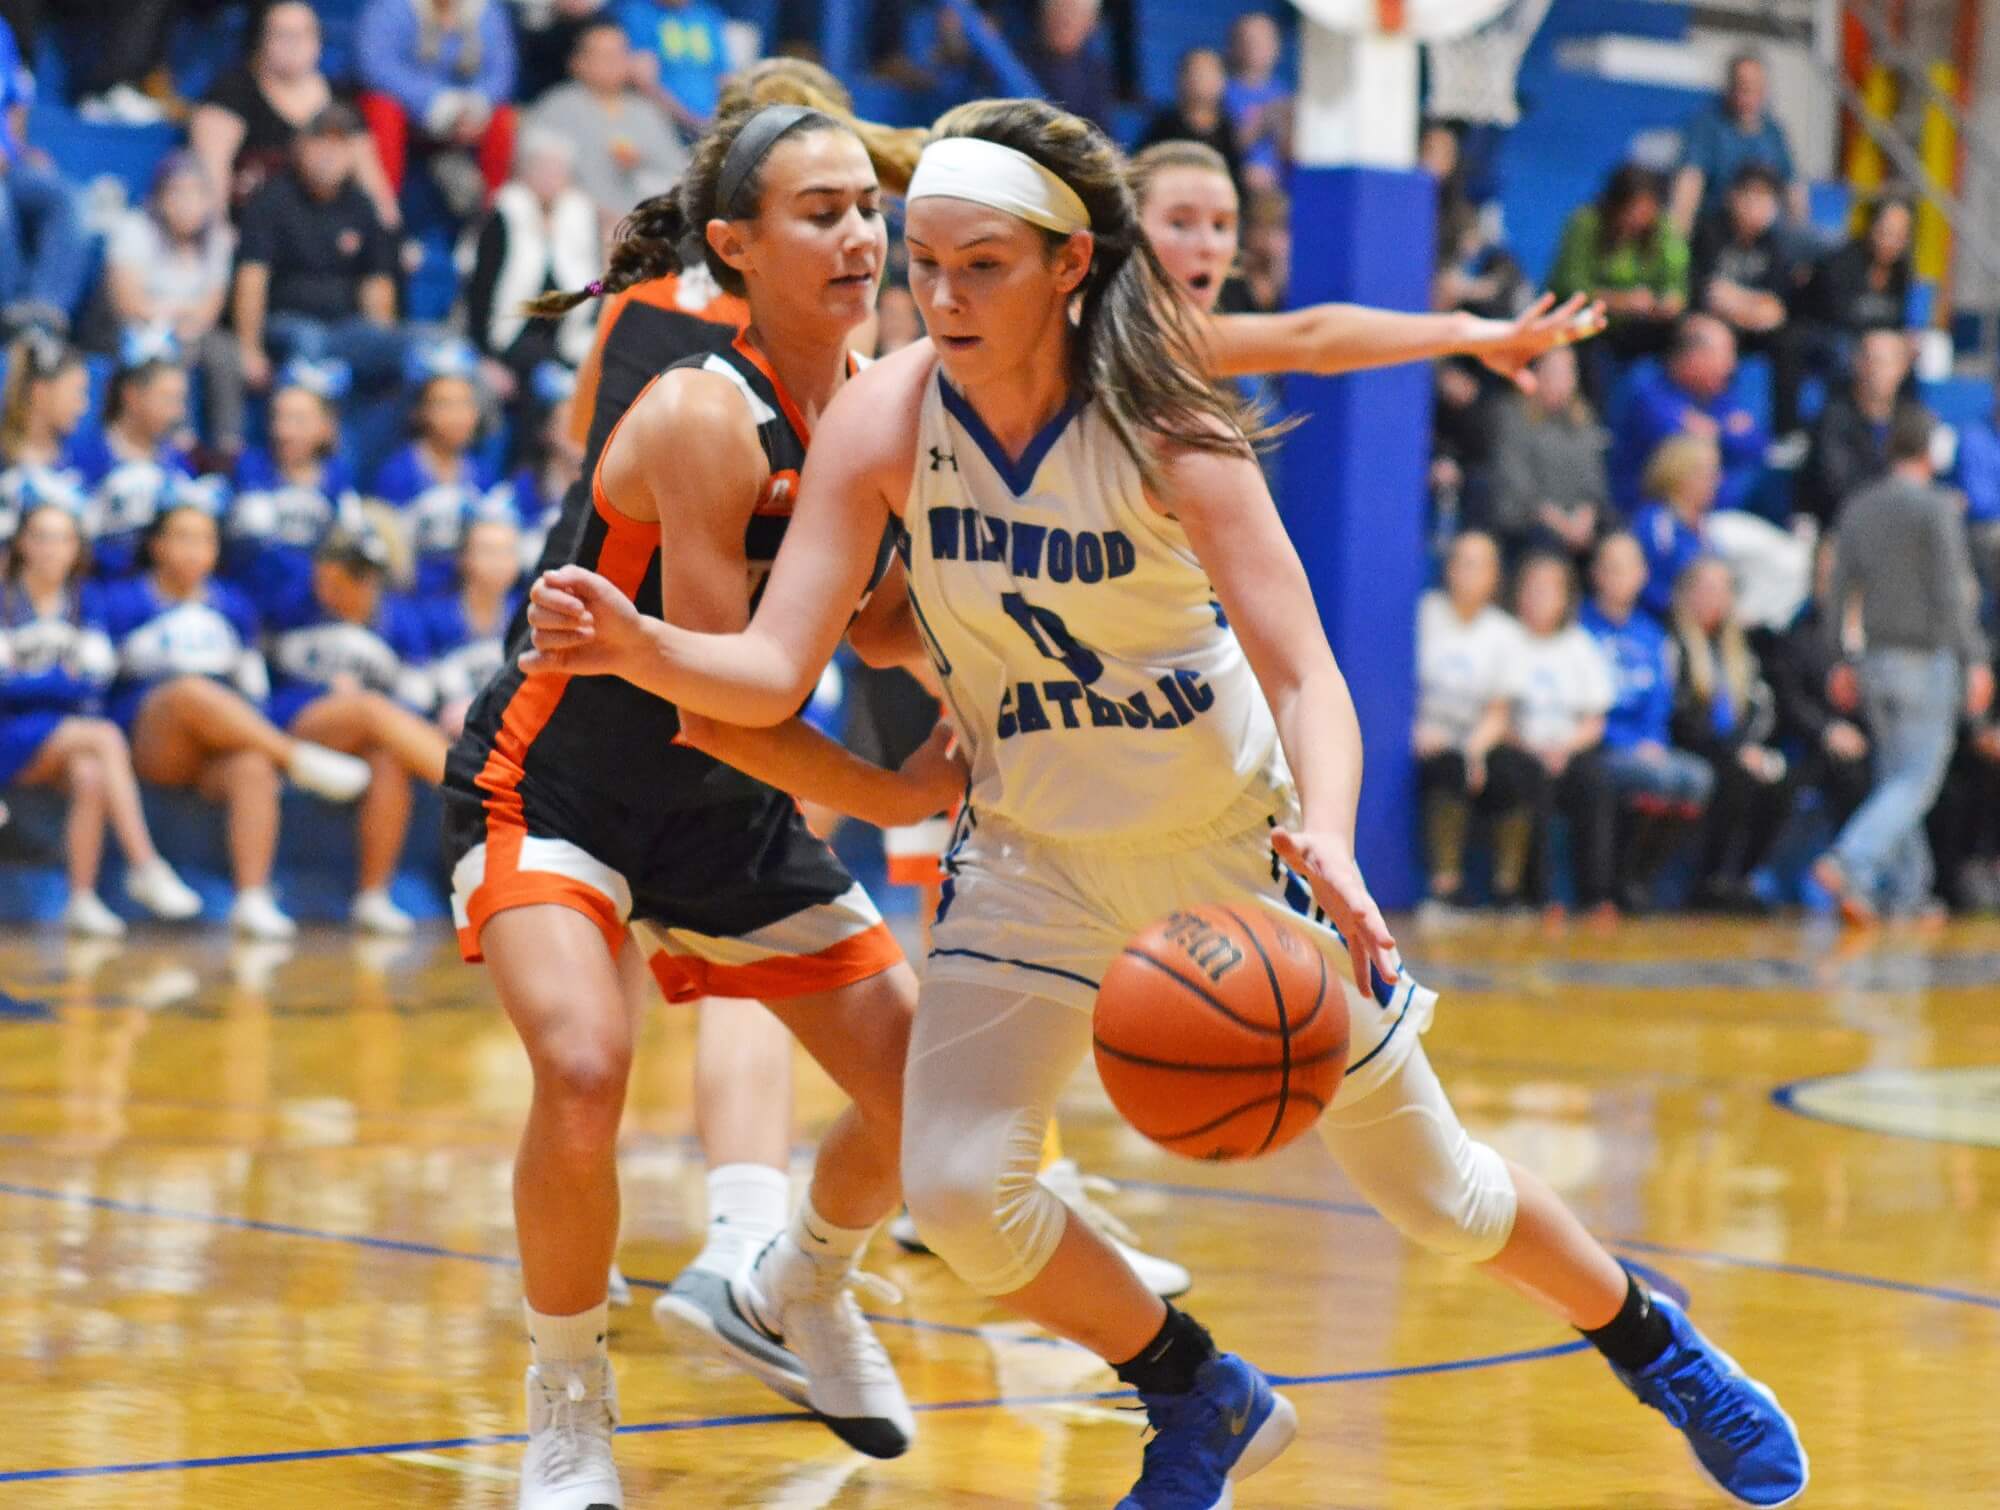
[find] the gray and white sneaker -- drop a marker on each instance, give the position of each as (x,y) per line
(808,1305)
(697,1307)
(572,1414)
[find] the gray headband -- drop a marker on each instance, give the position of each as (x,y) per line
(758,136)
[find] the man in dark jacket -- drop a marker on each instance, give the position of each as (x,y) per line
(1850,441)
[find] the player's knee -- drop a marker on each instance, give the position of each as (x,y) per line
(981,1210)
(86,775)
(580,1075)
(1467,1215)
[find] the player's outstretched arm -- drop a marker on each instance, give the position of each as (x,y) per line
(1335,338)
(1223,504)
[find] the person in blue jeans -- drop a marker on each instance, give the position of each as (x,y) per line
(43,252)
(1664,790)
(1902,552)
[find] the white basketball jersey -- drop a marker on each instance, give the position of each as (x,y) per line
(1093,678)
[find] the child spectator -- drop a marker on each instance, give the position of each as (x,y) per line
(351,678)
(1560,689)
(134,464)
(189,694)
(47,394)
(1724,712)
(441,71)
(55,662)
(1465,647)
(1672,529)
(625,149)
(1665,789)
(167,269)
(290,495)
(1549,486)
(680,55)
(44,256)
(1258,103)
(467,629)
(435,482)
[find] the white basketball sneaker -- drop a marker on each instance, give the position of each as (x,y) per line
(808,1306)
(572,1414)
(327,773)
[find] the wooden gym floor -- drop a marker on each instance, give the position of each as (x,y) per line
(255,1242)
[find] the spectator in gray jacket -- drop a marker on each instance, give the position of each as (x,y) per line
(1902,552)
(1549,486)
(626,150)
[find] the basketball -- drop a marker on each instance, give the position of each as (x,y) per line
(1220,1033)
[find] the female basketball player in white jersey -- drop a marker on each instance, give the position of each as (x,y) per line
(1132,656)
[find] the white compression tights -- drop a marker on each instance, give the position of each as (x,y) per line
(986,1065)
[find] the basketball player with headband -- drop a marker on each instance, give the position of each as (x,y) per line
(1131,654)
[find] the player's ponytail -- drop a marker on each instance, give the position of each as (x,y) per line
(1138,352)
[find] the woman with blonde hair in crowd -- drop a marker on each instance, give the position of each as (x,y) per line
(46,396)
(1725,713)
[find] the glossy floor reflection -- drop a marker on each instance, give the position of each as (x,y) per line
(255,1245)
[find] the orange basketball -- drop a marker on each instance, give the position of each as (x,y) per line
(1220,1032)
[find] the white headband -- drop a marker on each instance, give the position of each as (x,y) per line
(966,167)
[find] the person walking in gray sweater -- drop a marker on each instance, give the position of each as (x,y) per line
(1901,550)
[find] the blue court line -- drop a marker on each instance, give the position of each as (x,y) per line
(766,1418)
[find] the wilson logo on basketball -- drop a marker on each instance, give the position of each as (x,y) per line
(1213,952)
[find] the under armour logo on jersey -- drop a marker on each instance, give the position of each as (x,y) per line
(939,456)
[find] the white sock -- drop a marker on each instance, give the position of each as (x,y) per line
(568,1339)
(747,1205)
(820,1240)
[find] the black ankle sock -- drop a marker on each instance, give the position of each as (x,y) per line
(1167,1364)
(1637,1335)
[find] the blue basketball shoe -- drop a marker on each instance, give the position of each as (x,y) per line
(1742,1441)
(1224,1429)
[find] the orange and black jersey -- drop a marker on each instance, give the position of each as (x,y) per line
(577,742)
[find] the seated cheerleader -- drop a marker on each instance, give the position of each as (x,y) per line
(131,465)
(190,692)
(55,662)
(551,463)
(291,494)
(435,482)
(350,678)
(467,629)
(46,397)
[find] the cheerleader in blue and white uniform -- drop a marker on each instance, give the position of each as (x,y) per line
(467,628)
(351,677)
(55,662)
(46,396)
(435,483)
(131,465)
(550,467)
(290,494)
(190,694)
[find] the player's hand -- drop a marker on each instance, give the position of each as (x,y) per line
(1326,864)
(935,776)
(583,626)
(1508,347)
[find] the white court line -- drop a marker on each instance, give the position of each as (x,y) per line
(456,1465)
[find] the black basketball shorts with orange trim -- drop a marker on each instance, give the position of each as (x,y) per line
(736,898)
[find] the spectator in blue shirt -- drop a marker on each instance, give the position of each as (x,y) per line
(1665,789)
(443,70)
(1258,101)
(43,254)
(55,662)
(1672,529)
(1978,475)
(1689,395)
(1736,130)
(679,55)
